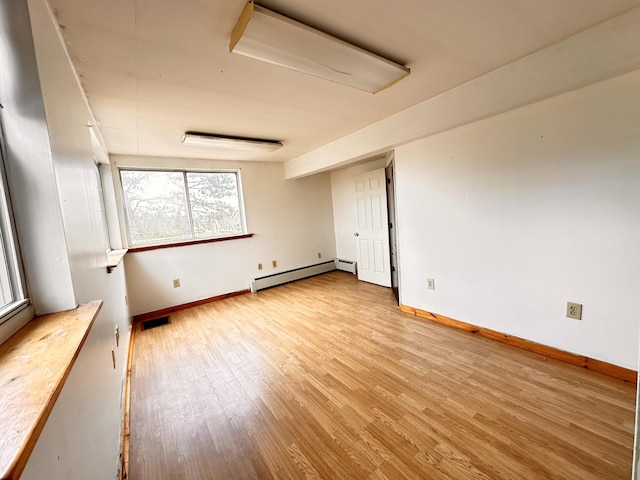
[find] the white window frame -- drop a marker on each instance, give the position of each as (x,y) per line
(11,316)
(184,171)
(103,209)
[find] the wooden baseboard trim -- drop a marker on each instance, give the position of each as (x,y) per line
(126,402)
(166,311)
(585,362)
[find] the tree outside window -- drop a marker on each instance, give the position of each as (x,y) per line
(174,206)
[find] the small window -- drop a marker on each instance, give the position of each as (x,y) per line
(12,293)
(102,211)
(165,206)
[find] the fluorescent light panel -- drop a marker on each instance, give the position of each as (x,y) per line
(230,142)
(279,40)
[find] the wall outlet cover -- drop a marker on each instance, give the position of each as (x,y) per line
(574,310)
(431,284)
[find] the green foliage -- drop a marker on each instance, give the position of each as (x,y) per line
(158,210)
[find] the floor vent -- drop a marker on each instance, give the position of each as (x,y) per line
(156,322)
(291,275)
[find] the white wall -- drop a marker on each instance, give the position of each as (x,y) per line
(291,219)
(345,219)
(515,215)
(81,438)
(30,165)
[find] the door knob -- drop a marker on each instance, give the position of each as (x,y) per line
(356,234)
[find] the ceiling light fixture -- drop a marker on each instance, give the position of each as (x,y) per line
(273,38)
(229,142)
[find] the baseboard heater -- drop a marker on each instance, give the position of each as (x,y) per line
(346,265)
(291,275)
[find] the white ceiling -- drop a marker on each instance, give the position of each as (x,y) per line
(153,69)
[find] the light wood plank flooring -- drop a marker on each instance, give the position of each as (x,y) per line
(326,378)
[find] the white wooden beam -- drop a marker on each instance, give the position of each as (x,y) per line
(606,50)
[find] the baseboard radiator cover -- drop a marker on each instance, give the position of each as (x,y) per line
(280,278)
(346,265)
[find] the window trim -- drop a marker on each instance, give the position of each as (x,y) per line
(144,248)
(168,243)
(13,254)
(103,206)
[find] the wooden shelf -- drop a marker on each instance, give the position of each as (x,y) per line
(144,248)
(114,257)
(34,365)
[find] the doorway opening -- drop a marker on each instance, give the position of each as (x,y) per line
(393,232)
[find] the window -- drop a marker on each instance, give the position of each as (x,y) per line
(102,211)
(167,206)
(12,295)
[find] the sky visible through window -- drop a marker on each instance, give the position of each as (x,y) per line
(174,206)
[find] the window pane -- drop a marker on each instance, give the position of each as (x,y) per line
(11,288)
(156,206)
(102,211)
(215,203)
(6,287)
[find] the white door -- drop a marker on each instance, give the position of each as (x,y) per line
(372,234)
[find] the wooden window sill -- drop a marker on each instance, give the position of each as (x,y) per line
(114,257)
(144,248)
(34,365)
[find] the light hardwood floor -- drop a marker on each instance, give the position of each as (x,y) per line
(326,378)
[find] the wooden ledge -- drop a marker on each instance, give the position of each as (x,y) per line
(114,257)
(551,352)
(145,248)
(34,365)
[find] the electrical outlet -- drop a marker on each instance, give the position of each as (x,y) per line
(176,282)
(319,255)
(259,266)
(574,310)
(431,284)
(274,263)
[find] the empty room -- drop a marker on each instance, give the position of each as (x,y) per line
(324,240)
